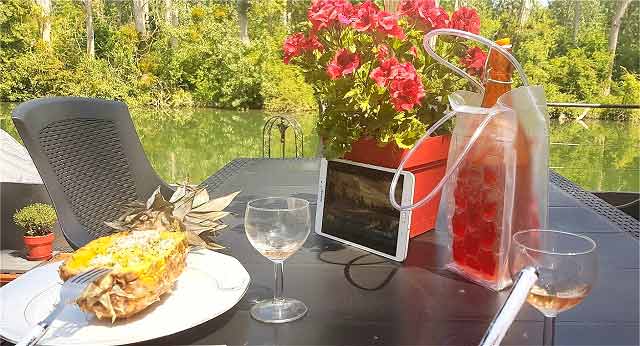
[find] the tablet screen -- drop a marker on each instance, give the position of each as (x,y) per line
(357,207)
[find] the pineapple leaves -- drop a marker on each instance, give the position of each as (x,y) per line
(201,197)
(117,225)
(205,217)
(188,210)
(180,192)
(217,204)
(196,240)
(156,201)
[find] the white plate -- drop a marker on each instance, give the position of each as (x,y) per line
(211,284)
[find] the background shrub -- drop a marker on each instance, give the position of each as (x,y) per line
(203,62)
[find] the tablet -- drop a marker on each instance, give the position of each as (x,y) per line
(354,207)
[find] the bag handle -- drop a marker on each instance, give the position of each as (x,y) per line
(448,174)
(472,37)
(476,134)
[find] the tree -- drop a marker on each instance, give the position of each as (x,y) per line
(91,45)
(167,11)
(576,21)
(525,11)
(629,43)
(391,5)
(616,22)
(45,20)
(171,19)
(286,15)
(140,14)
(243,9)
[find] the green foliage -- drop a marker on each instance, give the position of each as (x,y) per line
(629,47)
(216,64)
(18,27)
(36,219)
(202,62)
(31,73)
(18,34)
(282,87)
(626,91)
(285,90)
(199,62)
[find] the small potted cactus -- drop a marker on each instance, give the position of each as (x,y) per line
(37,221)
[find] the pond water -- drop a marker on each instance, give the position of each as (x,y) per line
(191,144)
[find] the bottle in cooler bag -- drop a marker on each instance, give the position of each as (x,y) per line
(485,190)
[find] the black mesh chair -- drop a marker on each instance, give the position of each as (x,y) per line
(90,159)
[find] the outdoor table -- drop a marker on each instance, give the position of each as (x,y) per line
(358,298)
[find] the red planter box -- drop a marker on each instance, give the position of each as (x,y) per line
(428,165)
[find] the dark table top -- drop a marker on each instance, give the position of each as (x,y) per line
(358,298)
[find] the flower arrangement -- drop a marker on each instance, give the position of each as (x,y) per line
(370,73)
(36,219)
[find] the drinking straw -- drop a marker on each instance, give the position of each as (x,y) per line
(507,313)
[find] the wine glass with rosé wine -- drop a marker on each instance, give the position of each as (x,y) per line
(567,268)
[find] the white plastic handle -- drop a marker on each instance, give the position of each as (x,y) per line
(434,127)
(473,37)
(440,185)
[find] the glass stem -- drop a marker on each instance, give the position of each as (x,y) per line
(278,270)
(548,335)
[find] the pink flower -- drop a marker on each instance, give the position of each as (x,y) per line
(320,14)
(388,24)
(474,61)
(404,71)
(345,12)
(323,13)
(296,45)
(408,8)
(383,73)
(312,44)
(293,46)
(466,19)
(342,64)
(436,17)
(423,7)
(383,52)
(405,86)
(413,51)
(406,93)
(365,16)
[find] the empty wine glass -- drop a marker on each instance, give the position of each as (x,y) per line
(277,227)
(567,268)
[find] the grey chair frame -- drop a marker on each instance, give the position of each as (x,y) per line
(90,159)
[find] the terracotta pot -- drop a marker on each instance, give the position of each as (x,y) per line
(39,248)
(428,165)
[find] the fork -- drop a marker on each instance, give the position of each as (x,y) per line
(70,290)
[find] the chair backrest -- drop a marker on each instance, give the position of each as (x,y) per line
(90,159)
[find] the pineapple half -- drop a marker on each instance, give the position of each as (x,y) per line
(144,264)
(149,252)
